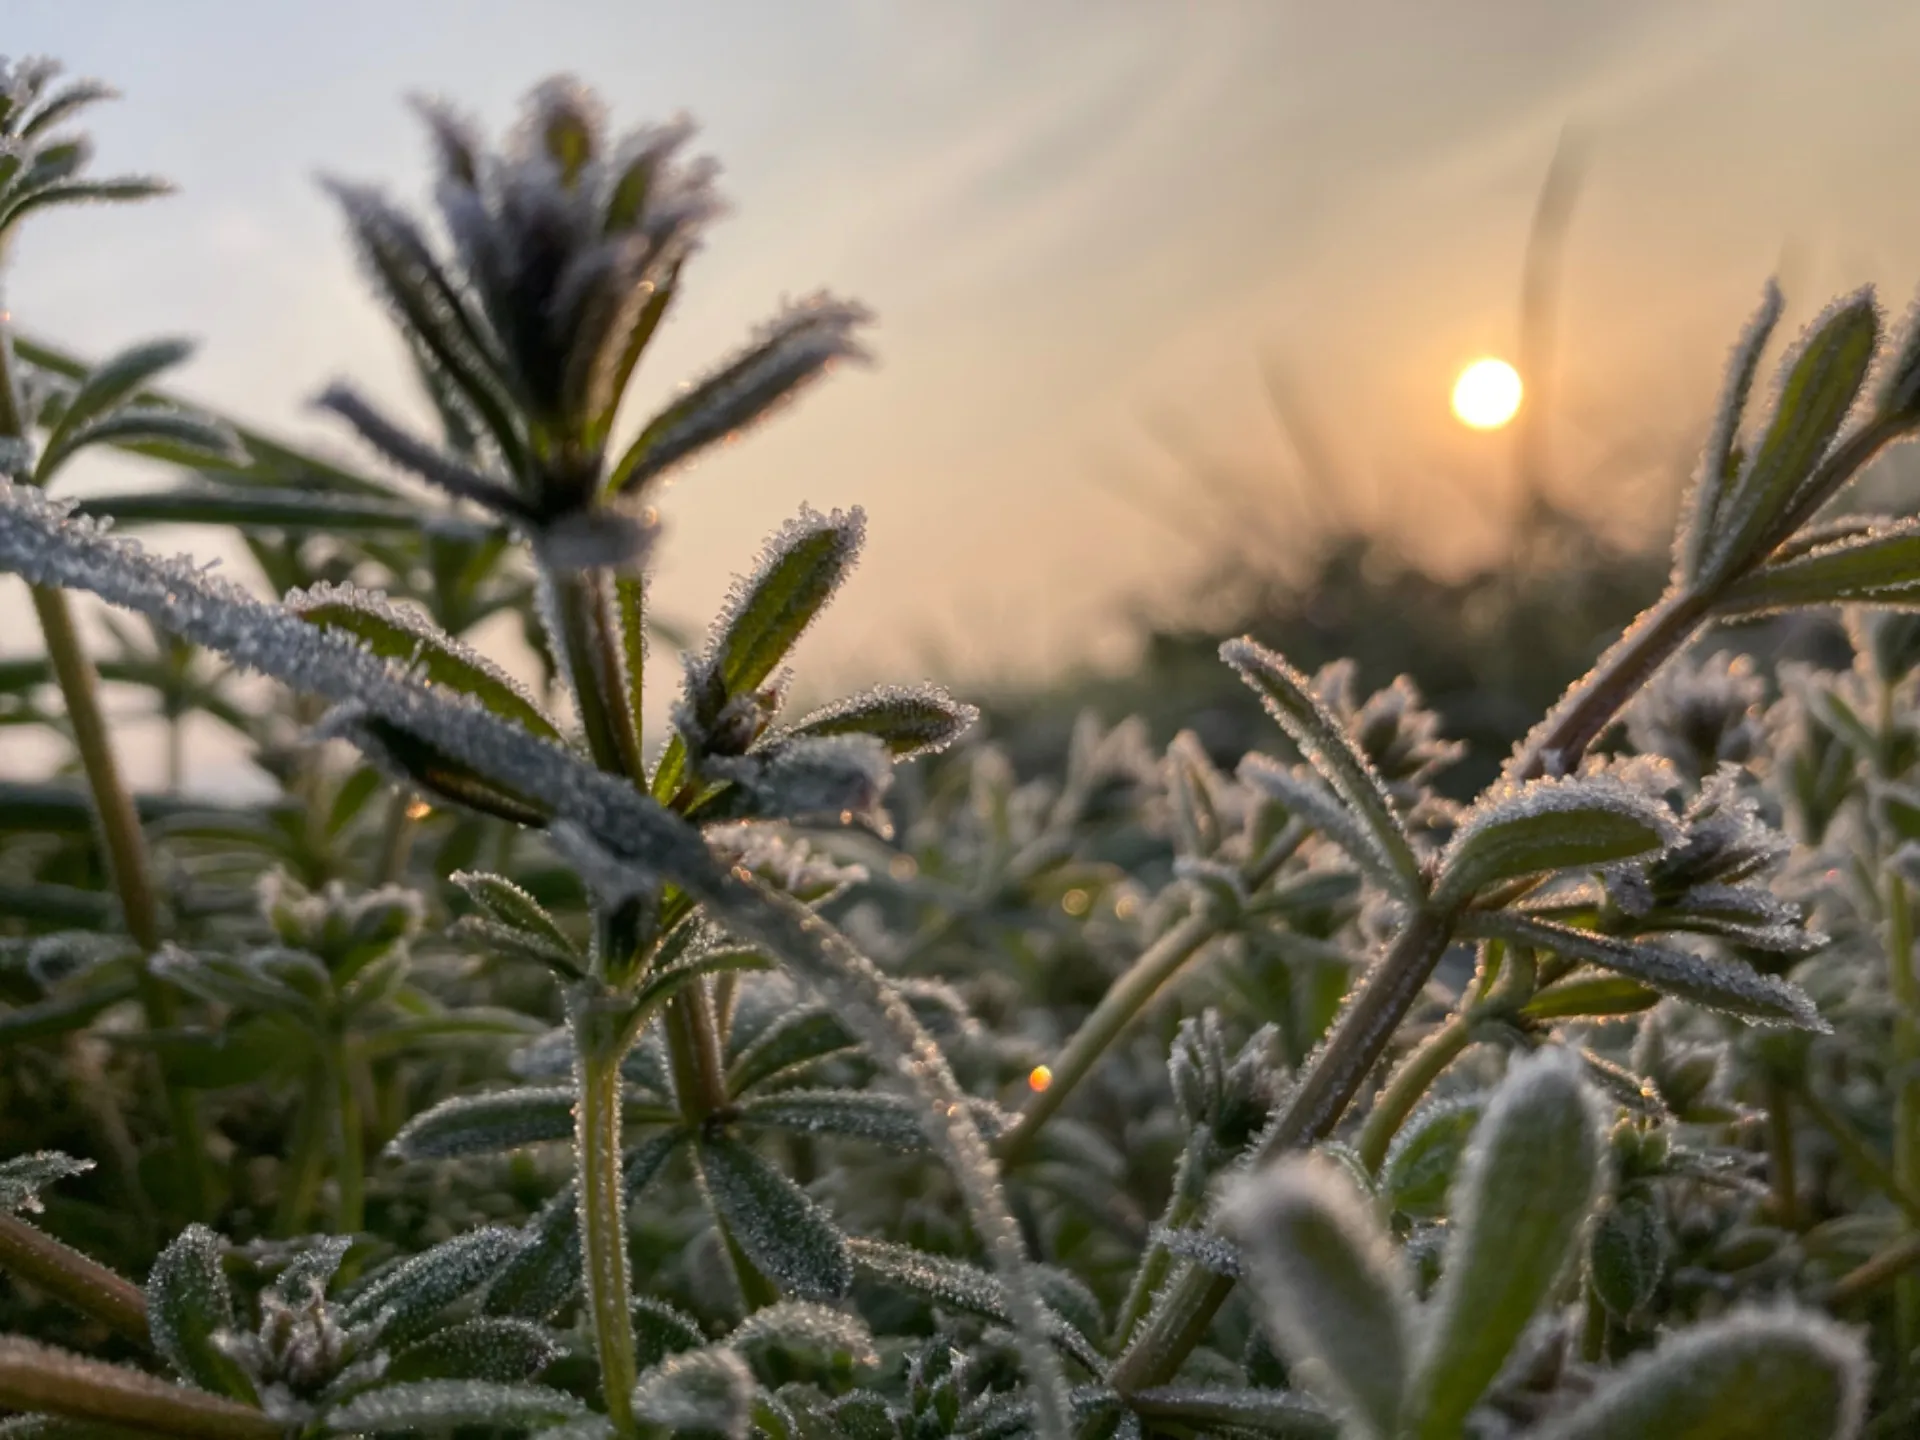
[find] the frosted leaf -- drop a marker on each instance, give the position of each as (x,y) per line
(1212,1253)
(405,634)
(590,1427)
(436,1405)
(1718,461)
(660,1330)
(112,383)
(792,350)
(1327,746)
(1774,492)
(910,720)
(1736,988)
(413,1292)
(831,778)
(703,1390)
(505,1351)
(1332,1292)
(1424,1157)
(817,1333)
(766,613)
(805,1036)
(510,909)
(490,937)
(1551,824)
(959,1286)
(1878,566)
(25,1176)
(544,1274)
(422,460)
(311,1269)
(486,1124)
(892,1121)
(188,1305)
(1531,1175)
(1308,799)
(785,861)
(785,1234)
(1785,1373)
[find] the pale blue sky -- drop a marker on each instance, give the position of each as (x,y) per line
(1070,217)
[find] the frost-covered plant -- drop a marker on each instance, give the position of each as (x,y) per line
(576,1046)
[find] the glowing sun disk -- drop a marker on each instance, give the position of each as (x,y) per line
(1487,394)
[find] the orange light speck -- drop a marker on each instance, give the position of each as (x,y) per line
(419,810)
(1039,1079)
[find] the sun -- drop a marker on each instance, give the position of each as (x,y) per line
(1487,394)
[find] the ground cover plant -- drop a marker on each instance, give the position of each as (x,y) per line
(516,1072)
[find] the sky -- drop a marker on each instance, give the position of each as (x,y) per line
(1090,233)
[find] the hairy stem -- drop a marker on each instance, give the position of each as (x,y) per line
(350,1170)
(306,1154)
(1782,1168)
(396,838)
(42,1380)
(1905,988)
(128,862)
(1427,1062)
(597,1037)
(1123,1003)
(32,1255)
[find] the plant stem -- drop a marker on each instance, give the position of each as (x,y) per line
(1428,1060)
(306,1155)
(1895,1262)
(350,1171)
(603,1200)
(1785,1174)
(128,862)
(1123,1003)
(1905,988)
(694,1051)
(30,1254)
(587,654)
(396,838)
(1558,742)
(1313,1108)
(43,1380)
(1189,1192)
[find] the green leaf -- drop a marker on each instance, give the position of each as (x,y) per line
(803,1330)
(803,566)
(544,1274)
(1592,995)
(706,1391)
(1785,1374)
(1881,567)
(398,633)
(486,1124)
(508,905)
(1325,745)
(910,720)
(1524,1192)
(1331,1290)
(491,1348)
(1627,1255)
(887,1120)
(1547,825)
(179,436)
(659,1330)
(1420,1165)
(188,1304)
(788,1238)
(440,1405)
(254,507)
(1308,799)
(115,381)
(25,1176)
(956,1285)
(1731,986)
(1765,502)
(414,1291)
(798,1039)
(1720,461)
